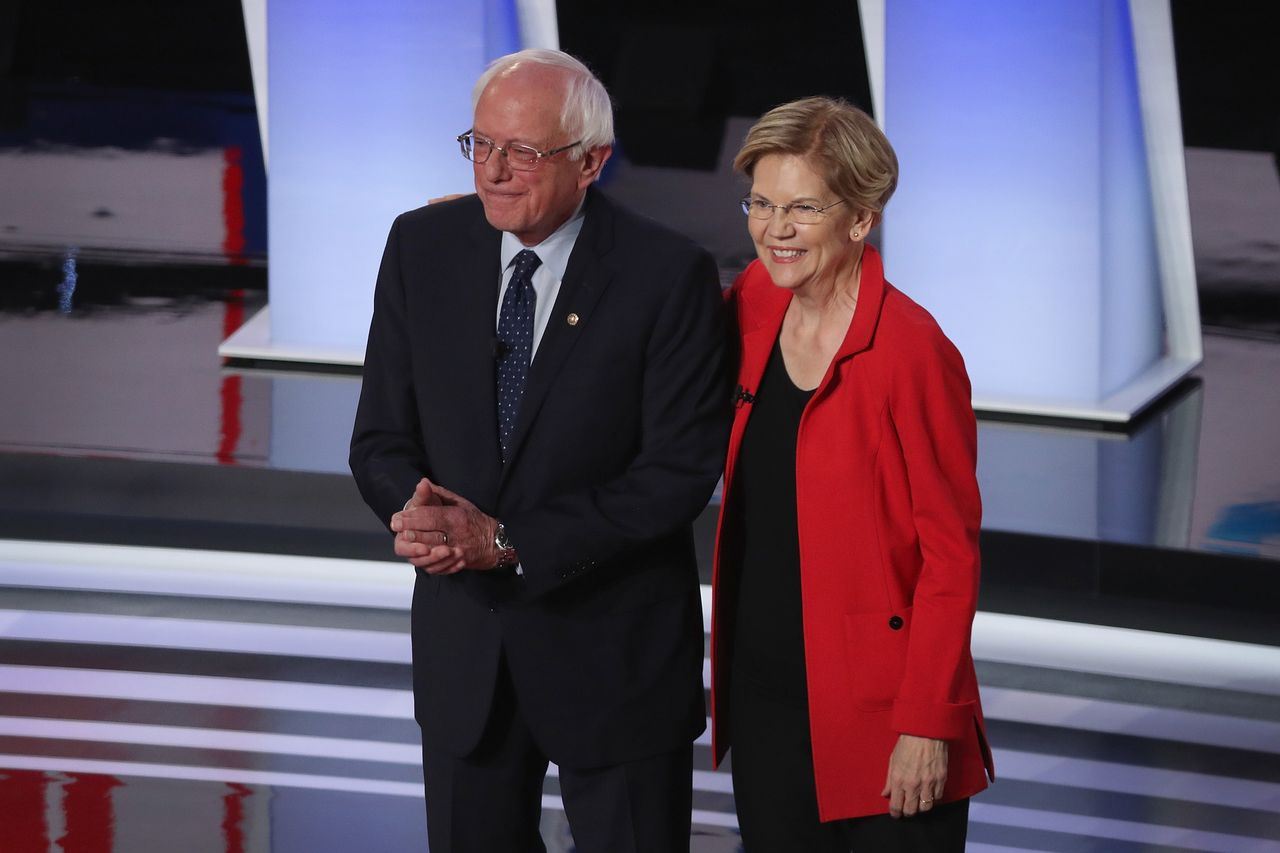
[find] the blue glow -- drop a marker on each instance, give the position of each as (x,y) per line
(1130,269)
(1023,219)
(300,441)
(1252,523)
(365,102)
(501,28)
(67,287)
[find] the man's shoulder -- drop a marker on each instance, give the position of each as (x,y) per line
(634,229)
(458,212)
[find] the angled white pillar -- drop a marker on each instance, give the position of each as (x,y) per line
(365,102)
(1042,213)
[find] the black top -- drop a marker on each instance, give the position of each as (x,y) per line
(768,652)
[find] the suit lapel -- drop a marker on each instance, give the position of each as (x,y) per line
(585,279)
(466,332)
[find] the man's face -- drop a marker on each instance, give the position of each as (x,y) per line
(523,106)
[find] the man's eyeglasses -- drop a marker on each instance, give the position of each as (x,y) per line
(801,214)
(522,158)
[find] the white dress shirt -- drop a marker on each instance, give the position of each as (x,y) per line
(554,253)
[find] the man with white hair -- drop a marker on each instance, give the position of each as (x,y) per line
(545,385)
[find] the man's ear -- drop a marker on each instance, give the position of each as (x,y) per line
(592,163)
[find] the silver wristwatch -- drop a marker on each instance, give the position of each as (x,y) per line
(506,551)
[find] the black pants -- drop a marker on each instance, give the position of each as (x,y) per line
(491,801)
(777,801)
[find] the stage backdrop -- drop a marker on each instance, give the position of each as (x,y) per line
(1042,214)
(362,103)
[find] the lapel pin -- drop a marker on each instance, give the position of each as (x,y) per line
(572,319)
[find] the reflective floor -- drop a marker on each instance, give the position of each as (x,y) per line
(127,368)
(162,699)
(203,644)
(133,239)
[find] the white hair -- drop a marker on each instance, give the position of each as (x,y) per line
(587,113)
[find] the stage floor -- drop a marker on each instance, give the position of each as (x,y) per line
(203,634)
(159,699)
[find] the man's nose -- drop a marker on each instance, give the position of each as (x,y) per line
(496,167)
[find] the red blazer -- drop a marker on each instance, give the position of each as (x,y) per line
(888,509)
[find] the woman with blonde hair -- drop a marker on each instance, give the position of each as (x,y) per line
(847,562)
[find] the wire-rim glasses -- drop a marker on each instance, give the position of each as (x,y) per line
(523,158)
(800,213)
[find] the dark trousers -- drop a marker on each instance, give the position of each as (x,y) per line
(491,800)
(777,801)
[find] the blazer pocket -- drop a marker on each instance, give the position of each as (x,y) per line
(876,653)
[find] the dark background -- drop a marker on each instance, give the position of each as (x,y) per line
(676,69)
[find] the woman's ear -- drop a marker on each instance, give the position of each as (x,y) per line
(862,225)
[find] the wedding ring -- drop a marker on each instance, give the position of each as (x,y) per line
(444,538)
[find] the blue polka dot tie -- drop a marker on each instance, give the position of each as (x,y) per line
(515,331)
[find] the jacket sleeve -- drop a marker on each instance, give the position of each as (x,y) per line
(387,457)
(932,412)
(685,414)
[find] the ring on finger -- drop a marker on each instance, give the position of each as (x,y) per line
(444,538)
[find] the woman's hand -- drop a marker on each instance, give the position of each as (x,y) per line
(917,775)
(449,197)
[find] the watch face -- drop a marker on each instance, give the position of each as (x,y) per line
(500,538)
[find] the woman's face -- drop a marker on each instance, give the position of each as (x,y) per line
(799,255)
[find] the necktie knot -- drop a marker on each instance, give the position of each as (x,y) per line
(526,262)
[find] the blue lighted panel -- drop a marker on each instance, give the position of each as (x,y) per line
(1132,334)
(1022,220)
(365,102)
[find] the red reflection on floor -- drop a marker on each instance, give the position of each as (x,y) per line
(230,393)
(22,802)
(233,817)
(233,241)
(90,818)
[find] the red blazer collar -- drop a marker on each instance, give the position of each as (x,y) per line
(765,304)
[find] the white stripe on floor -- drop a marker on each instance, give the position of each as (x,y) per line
(1123,652)
(208,690)
(1098,715)
(1126,652)
(220,739)
(210,774)
(1137,780)
(255,742)
(996,637)
(700,816)
(1119,830)
(216,574)
(205,635)
(1025,766)
(709,781)
(1087,648)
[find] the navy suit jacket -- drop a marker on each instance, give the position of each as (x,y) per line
(619,443)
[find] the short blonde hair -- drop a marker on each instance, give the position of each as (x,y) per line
(842,143)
